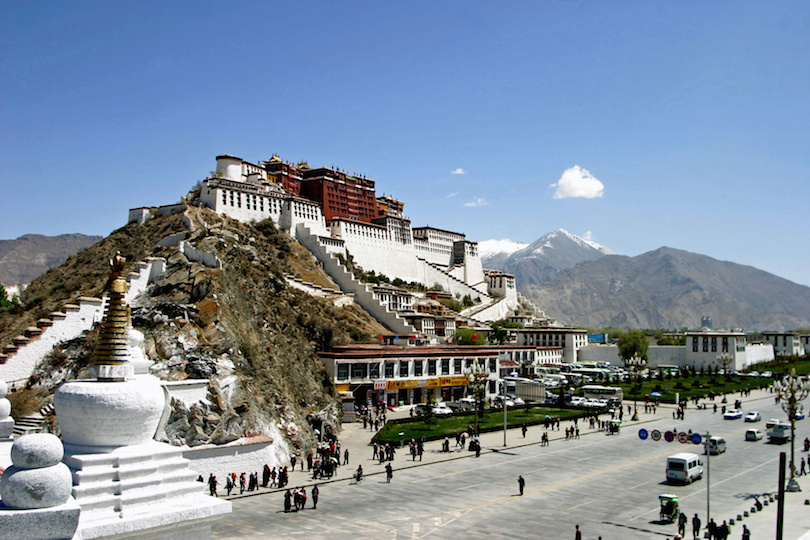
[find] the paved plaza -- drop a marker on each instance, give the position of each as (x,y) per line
(607,484)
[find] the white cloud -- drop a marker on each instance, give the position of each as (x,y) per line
(588,236)
(578,182)
(477,201)
(458,171)
(451,195)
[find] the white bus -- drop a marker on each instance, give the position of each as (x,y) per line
(596,374)
(594,391)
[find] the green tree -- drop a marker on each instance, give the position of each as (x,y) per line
(633,343)
(498,335)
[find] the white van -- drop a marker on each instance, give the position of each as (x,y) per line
(716,445)
(684,467)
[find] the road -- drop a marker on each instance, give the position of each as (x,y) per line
(607,484)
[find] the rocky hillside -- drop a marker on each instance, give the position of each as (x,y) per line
(670,288)
(29,256)
(239,324)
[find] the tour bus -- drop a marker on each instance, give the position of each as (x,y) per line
(596,374)
(594,391)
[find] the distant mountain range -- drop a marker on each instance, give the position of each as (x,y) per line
(29,256)
(586,284)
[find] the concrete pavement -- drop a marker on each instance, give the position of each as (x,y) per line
(356,440)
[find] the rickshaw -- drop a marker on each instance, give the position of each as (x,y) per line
(614,426)
(669,508)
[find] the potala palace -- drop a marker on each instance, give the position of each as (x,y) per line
(338,216)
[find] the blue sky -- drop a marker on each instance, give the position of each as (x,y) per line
(638,124)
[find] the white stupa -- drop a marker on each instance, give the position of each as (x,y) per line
(124,480)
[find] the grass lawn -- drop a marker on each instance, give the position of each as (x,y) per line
(448,426)
(699,386)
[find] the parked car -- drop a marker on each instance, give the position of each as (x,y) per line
(753,435)
(753,416)
(732,414)
(578,401)
(799,415)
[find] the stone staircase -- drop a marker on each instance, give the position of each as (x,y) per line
(20,358)
(363,295)
(34,423)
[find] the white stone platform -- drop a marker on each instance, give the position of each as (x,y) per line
(132,490)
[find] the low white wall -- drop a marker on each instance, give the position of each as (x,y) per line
(188,391)
(672,356)
(757,353)
(245,455)
(198,255)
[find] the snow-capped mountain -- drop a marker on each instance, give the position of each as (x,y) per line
(541,260)
(487,248)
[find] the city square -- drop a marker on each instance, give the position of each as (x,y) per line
(607,484)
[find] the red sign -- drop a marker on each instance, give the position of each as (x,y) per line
(655,435)
(683,437)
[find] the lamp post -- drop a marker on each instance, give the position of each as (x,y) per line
(636,364)
(791,390)
(477,377)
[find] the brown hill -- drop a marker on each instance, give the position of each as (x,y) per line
(241,319)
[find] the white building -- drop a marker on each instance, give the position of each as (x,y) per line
(570,340)
(787,343)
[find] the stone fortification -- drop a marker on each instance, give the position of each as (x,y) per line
(386,245)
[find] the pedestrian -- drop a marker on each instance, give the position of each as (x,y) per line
(523,429)
(521,484)
(695,526)
(682,524)
(292,461)
(346,457)
(801,468)
(315,493)
(228,484)
(265,475)
(212,485)
(389,473)
(577,534)
(374,455)
(287,501)
(712,528)
(242,483)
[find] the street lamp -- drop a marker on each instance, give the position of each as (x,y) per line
(791,390)
(477,377)
(636,364)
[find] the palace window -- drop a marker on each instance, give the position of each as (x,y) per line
(431,367)
(445,366)
(403,368)
(417,368)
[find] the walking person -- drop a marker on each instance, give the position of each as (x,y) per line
(346,457)
(212,485)
(315,492)
(695,527)
(521,484)
(577,534)
(682,524)
(523,429)
(389,473)
(746,533)
(287,501)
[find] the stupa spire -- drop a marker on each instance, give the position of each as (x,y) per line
(111,357)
